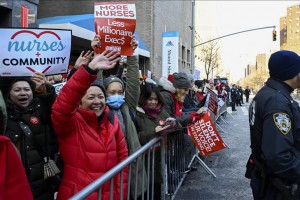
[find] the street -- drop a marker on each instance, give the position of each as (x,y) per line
(227,164)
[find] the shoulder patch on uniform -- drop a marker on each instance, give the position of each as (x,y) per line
(283,122)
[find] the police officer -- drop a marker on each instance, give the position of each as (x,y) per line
(233,95)
(274,119)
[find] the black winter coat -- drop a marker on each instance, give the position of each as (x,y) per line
(38,117)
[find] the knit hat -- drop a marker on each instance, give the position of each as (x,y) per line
(181,80)
(284,65)
(171,78)
(166,84)
(112,79)
(99,84)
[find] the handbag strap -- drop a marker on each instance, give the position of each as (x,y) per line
(27,131)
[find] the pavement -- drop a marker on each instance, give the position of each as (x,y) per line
(228,164)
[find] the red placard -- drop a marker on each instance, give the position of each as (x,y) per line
(115,23)
(205,135)
(213,101)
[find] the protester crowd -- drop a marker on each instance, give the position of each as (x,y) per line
(104,113)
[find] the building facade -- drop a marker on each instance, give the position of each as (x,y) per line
(14,12)
(290,29)
(153,18)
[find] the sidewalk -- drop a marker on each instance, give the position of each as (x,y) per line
(227,164)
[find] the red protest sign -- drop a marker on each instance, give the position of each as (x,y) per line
(115,23)
(213,101)
(205,135)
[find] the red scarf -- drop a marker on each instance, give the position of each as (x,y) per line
(152,112)
(178,106)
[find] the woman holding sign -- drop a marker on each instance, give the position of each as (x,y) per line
(29,127)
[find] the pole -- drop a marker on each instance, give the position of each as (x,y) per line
(193,38)
(254,29)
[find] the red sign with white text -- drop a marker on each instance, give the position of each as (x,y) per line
(205,135)
(213,101)
(115,23)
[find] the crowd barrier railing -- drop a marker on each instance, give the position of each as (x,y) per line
(174,162)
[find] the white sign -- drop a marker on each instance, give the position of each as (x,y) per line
(149,74)
(58,87)
(169,53)
(25,51)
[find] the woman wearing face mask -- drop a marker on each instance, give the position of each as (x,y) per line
(124,104)
(29,127)
(90,137)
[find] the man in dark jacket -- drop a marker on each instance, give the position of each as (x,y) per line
(234,96)
(274,119)
(247,93)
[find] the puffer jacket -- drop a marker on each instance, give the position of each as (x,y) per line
(3,115)
(13,181)
(88,148)
(37,116)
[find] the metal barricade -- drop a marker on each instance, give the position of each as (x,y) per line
(170,147)
(176,153)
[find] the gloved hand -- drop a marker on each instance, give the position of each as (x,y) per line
(195,116)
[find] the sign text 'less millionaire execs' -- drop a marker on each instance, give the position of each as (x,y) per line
(34,50)
(115,23)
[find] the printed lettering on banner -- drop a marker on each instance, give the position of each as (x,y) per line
(25,51)
(213,101)
(58,87)
(115,23)
(205,135)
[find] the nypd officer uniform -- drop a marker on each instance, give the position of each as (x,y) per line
(274,119)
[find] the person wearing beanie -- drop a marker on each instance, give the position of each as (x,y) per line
(83,123)
(191,103)
(123,103)
(28,107)
(174,106)
(274,119)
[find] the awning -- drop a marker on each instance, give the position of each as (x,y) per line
(83,26)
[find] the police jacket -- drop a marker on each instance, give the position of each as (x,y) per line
(234,93)
(274,119)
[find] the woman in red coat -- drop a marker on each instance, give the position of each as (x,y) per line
(90,137)
(13,181)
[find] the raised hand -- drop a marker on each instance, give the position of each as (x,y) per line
(105,60)
(134,43)
(83,59)
(96,42)
(40,81)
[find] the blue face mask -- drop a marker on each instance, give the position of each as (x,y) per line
(115,101)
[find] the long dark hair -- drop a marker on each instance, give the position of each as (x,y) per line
(146,91)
